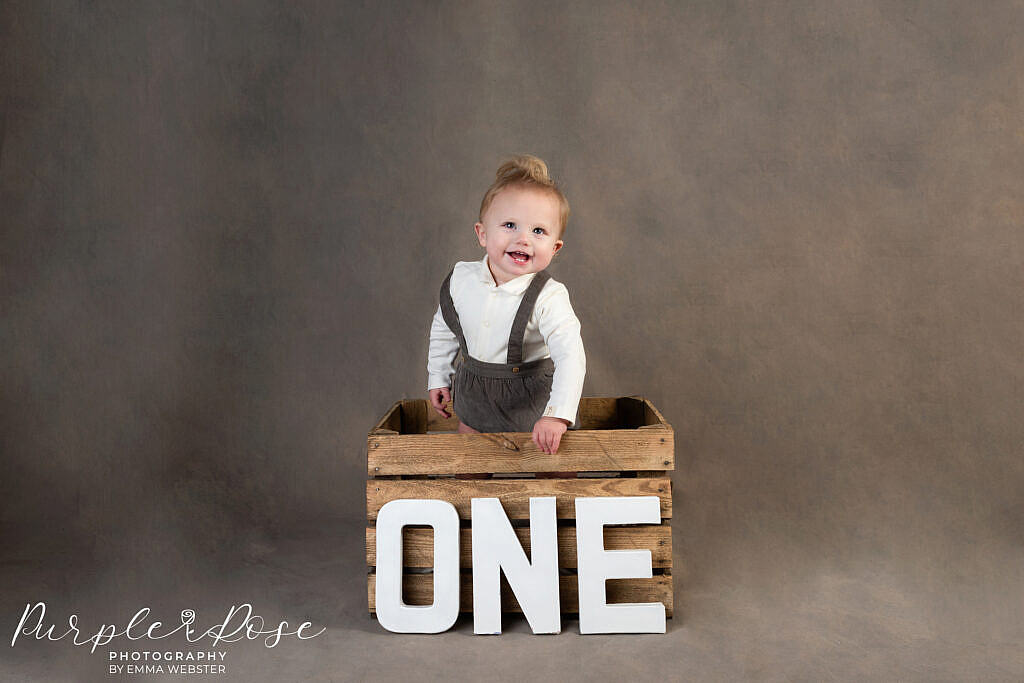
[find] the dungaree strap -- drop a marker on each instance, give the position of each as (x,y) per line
(515,338)
(451,316)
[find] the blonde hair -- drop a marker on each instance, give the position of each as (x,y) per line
(528,171)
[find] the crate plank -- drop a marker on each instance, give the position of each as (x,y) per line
(418,589)
(580,451)
(594,413)
(515,494)
(418,546)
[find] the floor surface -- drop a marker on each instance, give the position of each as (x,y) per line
(749,621)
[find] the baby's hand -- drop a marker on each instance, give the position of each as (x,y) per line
(439,398)
(547,433)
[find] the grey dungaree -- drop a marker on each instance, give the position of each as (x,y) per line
(500,397)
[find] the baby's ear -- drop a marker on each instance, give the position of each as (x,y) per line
(481,235)
(558,245)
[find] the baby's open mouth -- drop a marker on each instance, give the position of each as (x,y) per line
(518,256)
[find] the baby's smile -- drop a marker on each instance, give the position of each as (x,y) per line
(520,257)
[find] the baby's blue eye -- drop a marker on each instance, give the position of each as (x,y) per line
(509,224)
(539,231)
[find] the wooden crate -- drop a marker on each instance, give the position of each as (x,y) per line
(624,447)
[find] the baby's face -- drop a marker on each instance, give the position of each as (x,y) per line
(519,232)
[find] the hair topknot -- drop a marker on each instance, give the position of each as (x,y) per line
(529,171)
(524,168)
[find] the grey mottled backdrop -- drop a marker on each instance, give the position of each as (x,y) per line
(797,228)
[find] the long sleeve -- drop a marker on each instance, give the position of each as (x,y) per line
(444,346)
(560,327)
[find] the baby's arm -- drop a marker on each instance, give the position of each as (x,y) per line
(444,345)
(560,328)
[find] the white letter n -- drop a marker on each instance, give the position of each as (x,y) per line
(496,548)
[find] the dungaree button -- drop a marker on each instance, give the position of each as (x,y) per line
(515,369)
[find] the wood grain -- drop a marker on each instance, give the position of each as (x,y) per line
(595,412)
(515,494)
(580,451)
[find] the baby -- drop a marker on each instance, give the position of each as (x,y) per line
(522,363)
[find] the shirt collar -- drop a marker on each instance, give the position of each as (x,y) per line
(516,285)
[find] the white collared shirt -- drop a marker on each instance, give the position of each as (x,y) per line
(486,312)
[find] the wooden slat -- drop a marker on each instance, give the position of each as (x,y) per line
(418,545)
(515,494)
(418,589)
(595,412)
(580,451)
